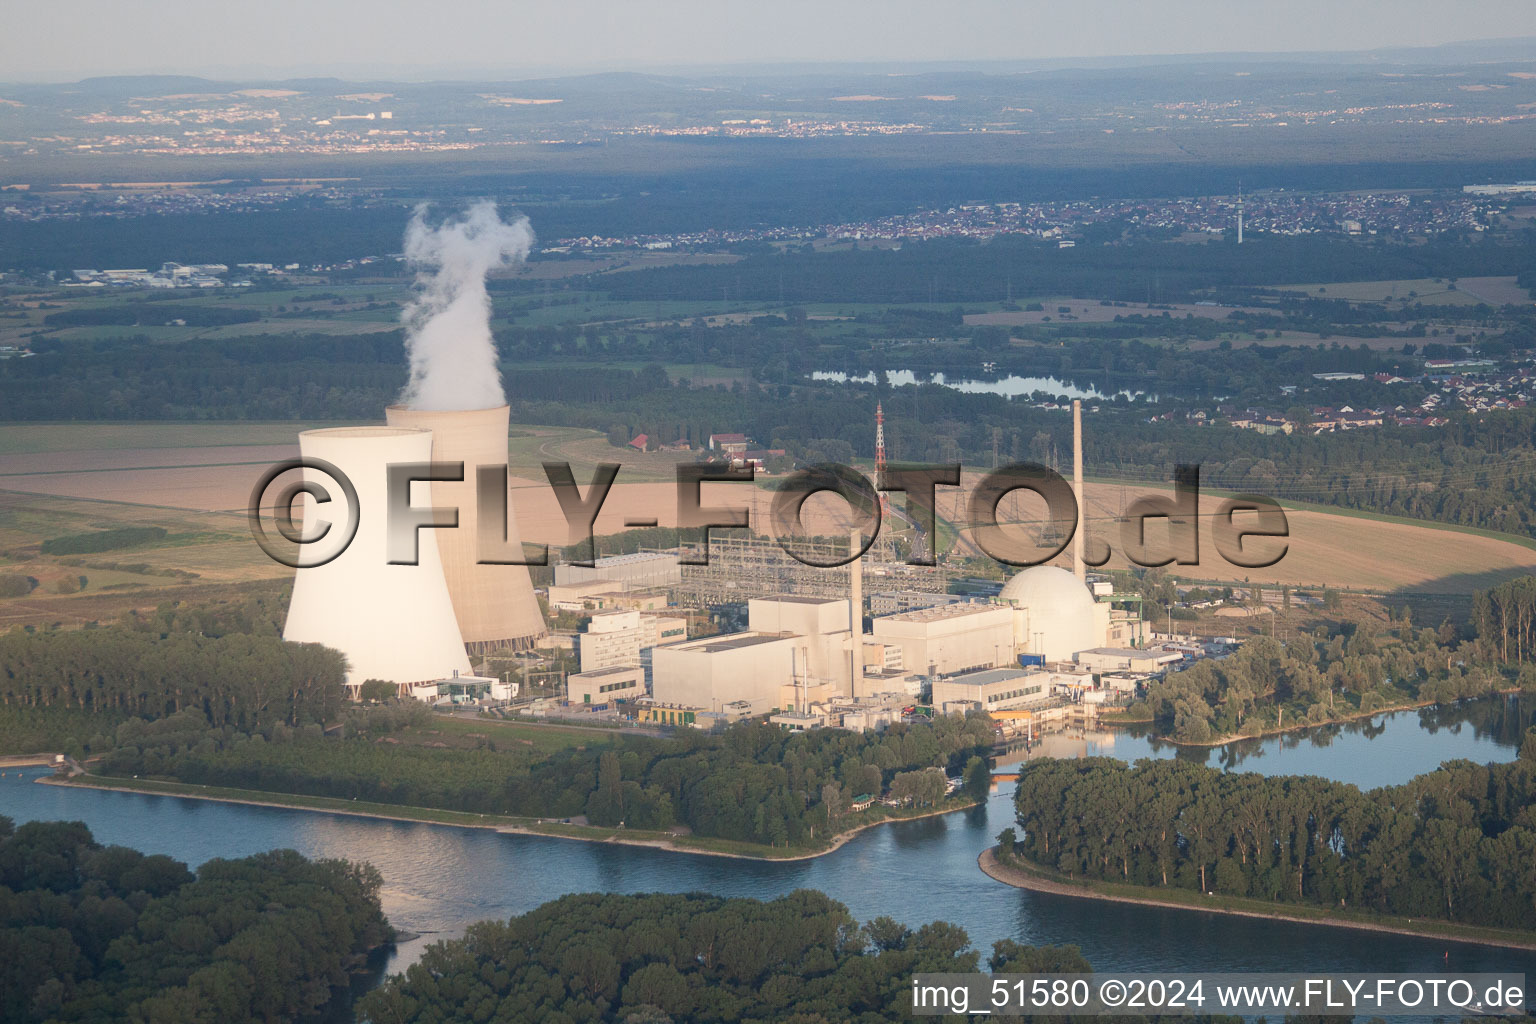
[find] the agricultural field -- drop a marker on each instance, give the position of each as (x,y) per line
(1327,546)
(193,481)
(1495,291)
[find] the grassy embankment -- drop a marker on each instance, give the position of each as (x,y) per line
(1023,875)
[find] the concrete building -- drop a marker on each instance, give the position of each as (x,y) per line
(622,638)
(891,602)
(457,689)
(605,685)
(392,622)
(712,672)
(1123,659)
(611,639)
(949,639)
(999,689)
(638,571)
(803,616)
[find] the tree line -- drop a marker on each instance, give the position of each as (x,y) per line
(753,783)
(1314,678)
(246,682)
(1505,617)
(92,933)
(660,958)
(1457,844)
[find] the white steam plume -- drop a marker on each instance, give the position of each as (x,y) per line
(448,324)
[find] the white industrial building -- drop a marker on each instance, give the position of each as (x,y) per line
(621,638)
(460,689)
(949,639)
(707,674)
(605,685)
(795,651)
(1125,659)
(996,689)
(637,571)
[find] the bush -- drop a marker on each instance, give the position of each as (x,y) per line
(103,540)
(15,585)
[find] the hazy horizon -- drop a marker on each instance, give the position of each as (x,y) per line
(474,41)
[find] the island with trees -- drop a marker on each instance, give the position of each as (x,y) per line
(95,933)
(1344,670)
(1454,847)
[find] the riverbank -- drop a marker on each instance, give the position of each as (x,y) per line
(668,841)
(1355,716)
(1036,879)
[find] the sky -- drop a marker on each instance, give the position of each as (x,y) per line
(65,40)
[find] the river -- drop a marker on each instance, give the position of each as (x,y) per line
(438,879)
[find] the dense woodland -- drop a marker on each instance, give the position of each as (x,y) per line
(242,682)
(1326,675)
(656,959)
(1458,843)
(754,783)
(91,933)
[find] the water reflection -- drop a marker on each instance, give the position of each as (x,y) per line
(1402,743)
(1010,386)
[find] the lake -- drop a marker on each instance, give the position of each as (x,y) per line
(1011,386)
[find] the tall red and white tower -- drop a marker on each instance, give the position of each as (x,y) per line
(885,498)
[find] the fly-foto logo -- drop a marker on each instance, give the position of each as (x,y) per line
(1258,540)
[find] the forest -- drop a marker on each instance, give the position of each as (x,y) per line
(754,783)
(95,933)
(1328,674)
(243,682)
(1456,844)
(1267,685)
(658,958)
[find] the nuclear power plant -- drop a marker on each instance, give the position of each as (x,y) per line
(805,657)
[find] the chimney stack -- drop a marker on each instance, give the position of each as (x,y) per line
(1078,569)
(856,610)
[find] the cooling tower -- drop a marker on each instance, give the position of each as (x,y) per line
(393,622)
(494,603)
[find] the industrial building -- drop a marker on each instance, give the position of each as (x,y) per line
(621,637)
(795,651)
(641,570)
(715,671)
(949,639)
(460,689)
(602,595)
(890,602)
(1124,659)
(605,685)
(997,689)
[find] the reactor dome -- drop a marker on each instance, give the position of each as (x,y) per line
(1054,614)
